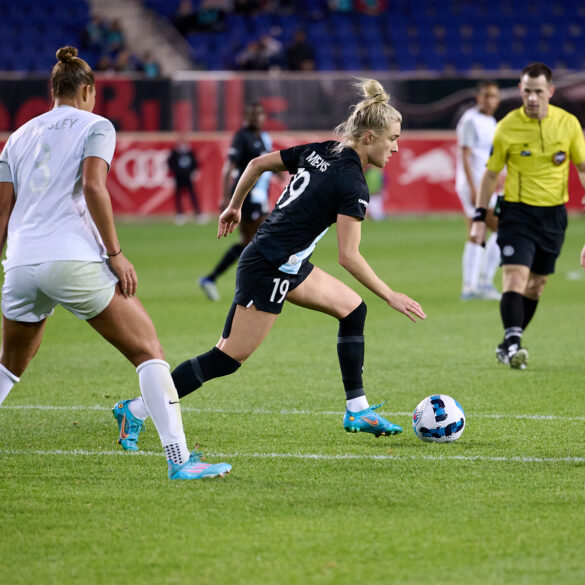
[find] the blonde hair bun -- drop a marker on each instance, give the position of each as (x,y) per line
(372,89)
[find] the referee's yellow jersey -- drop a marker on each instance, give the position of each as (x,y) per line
(537,155)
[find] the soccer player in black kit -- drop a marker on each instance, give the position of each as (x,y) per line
(182,163)
(249,142)
(327,187)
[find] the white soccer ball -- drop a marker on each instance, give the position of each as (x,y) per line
(438,419)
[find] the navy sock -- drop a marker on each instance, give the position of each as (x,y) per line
(228,259)
(350,351)
(191,374)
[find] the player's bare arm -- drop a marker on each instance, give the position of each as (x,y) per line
(228,170)
(348,242)
(231,216)
(100,208)
(466,160)
(7,200)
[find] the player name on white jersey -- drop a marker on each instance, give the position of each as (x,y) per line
(62,124)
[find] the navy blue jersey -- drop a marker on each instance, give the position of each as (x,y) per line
(248,143)
(324,184)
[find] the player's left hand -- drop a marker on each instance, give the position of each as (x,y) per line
(228,221)
(583,257)
(127,279)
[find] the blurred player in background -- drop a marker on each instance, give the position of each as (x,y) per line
(62,249)
(535,142)
(327,187)
(248,143)
(475,133)
(182,163)
(375,181)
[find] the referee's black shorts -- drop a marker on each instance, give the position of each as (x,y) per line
(262,284)
(531,236)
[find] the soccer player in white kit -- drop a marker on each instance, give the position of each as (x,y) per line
(475,132)
(62,248)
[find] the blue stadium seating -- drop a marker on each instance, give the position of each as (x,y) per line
(447,35)
(32,31)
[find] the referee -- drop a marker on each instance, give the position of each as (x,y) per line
(535,142)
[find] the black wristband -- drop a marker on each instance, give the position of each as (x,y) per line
(118,252)
(480,214)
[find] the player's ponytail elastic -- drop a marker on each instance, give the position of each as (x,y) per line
(371,113)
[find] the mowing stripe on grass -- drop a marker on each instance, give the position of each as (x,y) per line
(314,456)
(284,411)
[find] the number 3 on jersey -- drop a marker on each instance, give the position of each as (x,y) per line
(295,188)
(280,287)
(42,156)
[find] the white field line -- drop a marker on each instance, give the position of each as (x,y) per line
(544,417)
(306,456)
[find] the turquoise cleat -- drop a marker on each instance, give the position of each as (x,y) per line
(367,421)
(194,468)
(130,426)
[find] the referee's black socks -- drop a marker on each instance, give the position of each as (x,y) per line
(512,312)
(191,374)
(529,310)
(350,350)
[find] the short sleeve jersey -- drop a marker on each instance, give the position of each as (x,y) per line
(475,131)
(246,145)
(43,160)
(324,184)
(537,155)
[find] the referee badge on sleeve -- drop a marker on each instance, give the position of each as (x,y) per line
(559,157)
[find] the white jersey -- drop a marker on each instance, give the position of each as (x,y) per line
(44,161)
(476,131)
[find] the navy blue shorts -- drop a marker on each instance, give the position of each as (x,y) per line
(253,211)
(260,283)
(531,236)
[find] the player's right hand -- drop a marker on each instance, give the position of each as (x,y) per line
(228,221)
(407,306)
(478,232)
(583,257)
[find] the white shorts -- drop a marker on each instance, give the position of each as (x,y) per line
(31,293)
(469,206)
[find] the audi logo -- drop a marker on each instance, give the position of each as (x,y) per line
(136,169)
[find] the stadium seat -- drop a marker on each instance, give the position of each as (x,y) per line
(433,36)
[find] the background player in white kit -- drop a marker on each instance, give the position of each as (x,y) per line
(56,218)
(475,132)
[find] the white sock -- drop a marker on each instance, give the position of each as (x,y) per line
(376,207)
(491,261)
(357,404)
(162,401)
(472,258)
(138,408)
(7,381)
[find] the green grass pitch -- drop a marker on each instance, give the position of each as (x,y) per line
(307,503)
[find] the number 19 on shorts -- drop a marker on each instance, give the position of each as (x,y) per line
(280,288)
